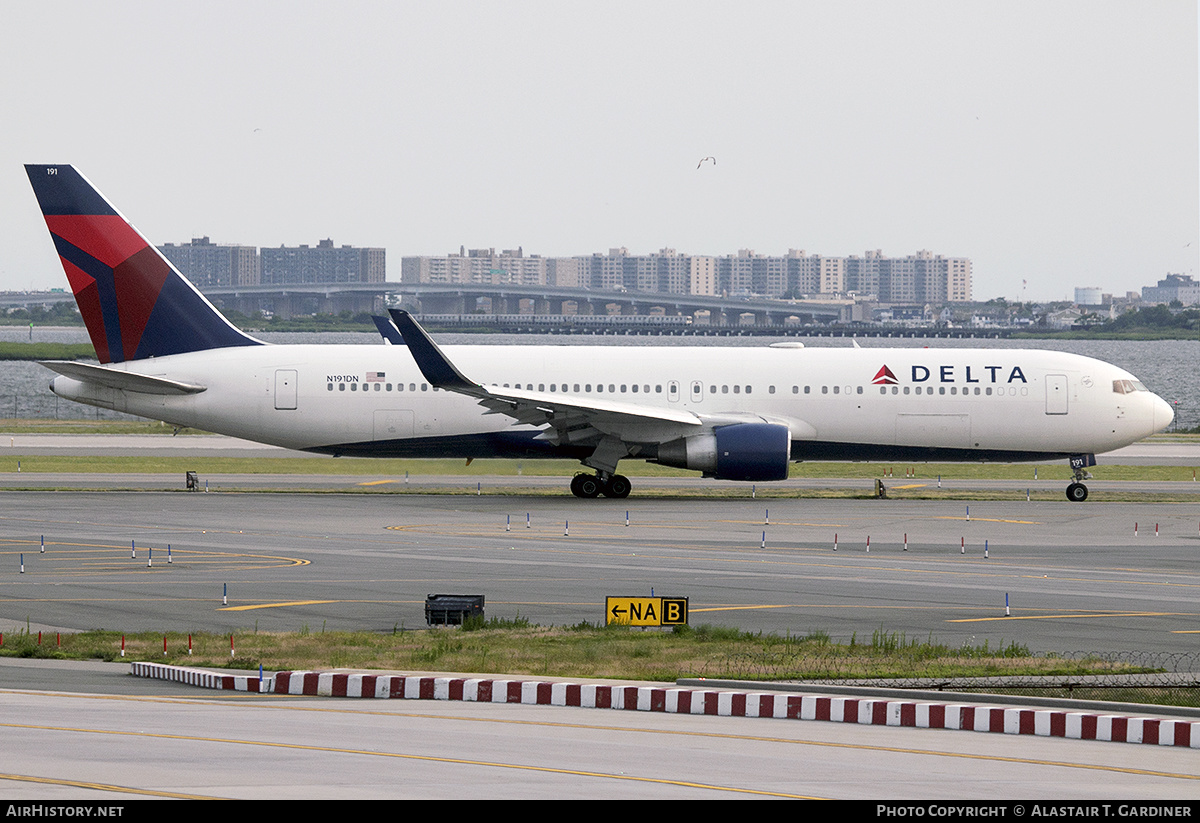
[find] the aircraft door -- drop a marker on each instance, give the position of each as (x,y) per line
(697,391)
(1056,394)
(673,391)
(285,389)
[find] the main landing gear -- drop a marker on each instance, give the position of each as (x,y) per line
(593,485)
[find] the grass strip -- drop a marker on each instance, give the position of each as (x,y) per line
(515,647)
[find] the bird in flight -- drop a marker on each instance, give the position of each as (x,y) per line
(703,159)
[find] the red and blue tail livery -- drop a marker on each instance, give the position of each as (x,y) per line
(134,302)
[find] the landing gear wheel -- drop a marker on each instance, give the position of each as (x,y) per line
(585,485)
(617,487)
(1077,492)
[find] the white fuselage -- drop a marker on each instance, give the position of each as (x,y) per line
(984,401)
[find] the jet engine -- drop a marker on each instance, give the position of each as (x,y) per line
(742,451)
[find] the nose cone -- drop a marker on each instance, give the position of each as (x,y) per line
(1163,413)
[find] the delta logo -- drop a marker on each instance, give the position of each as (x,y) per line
(947,374)
(884,377)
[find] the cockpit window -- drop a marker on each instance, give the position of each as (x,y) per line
(1128,386)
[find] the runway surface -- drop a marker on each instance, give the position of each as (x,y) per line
(1075,576)
(107,737)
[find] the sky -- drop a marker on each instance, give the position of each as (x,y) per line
(1055,144)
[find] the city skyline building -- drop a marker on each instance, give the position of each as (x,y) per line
(916,278)
(207,264)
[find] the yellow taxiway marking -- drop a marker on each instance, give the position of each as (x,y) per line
(274,705)
(375,482)
(1065,616)
(781,523)
(909,486)
(994,520)
(275,605)
(416,757)
(104,787)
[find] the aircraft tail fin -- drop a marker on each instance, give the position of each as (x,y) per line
(134,302)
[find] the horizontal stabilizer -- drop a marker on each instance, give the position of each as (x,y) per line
(118,379)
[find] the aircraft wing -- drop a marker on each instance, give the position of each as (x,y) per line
(571,418)
(120,379)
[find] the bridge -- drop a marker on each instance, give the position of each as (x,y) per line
(461,298)
(458,299)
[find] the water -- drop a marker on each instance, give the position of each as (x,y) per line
(1167,367)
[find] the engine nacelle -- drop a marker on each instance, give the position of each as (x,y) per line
(743,451)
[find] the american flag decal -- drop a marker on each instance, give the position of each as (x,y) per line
(375,377)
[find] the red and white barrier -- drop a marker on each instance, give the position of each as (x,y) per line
(690,700)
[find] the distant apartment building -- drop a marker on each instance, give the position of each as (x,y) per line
(1179,287)
(665,271)
(918,278)
(323,263)
(209,264)
(480,266)
(923,277)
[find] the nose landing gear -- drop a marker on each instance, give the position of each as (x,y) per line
(1077,492)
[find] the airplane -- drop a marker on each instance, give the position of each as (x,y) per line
(166,353)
